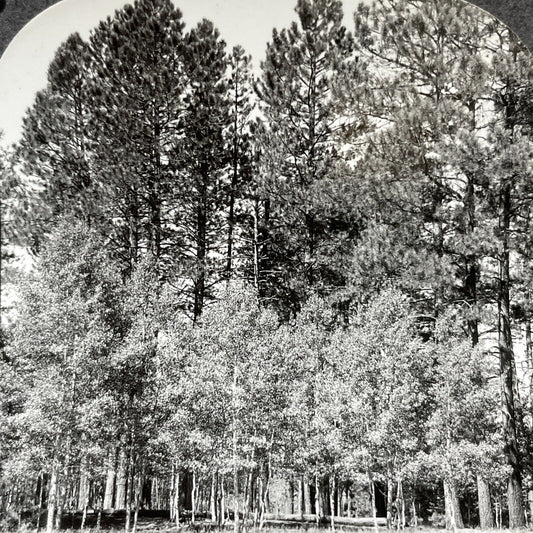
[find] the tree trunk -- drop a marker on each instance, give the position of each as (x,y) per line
(201,247)
(60,499)
(213,498)
(83,493)
(121,478)
(307,496)
(256,243)
(390,497)
(301,501)
(400,506)
(52,497)
(236,524)
(332,501)
(486,520)
(193,498)
(40,502)
(318,506)
(372,487)
(138,497)
(507,369)
(222,508)
(177,499)
(454,519)
(129,491)
(348,501)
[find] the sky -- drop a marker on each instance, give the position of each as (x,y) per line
(24,63)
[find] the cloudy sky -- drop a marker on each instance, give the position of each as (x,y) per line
(24,63)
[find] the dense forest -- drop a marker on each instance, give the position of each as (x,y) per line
(301,288)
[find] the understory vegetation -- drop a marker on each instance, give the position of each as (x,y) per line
(302,290)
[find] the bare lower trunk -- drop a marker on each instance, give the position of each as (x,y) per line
(454,519)
(52,498)
(222,510)
(486,520)
(507,366)
(121,477)
(301,500)
(129,491)
(307,496)
(83,493)
(332,501)
(400,506)
(514,502)
(60,500)
(372,487)
(318,507)
(213,498)
(177,499)
(348,502)
(84,515)
(110,480)
(193,499)
(40,502)
(390,499)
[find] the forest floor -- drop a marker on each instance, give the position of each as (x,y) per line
(150,522)
(158,522)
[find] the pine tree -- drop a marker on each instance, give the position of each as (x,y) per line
(240,95)
(53,150)
(299,157)
(202,159)
(136,92)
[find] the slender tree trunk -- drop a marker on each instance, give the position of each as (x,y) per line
(318,506)
(390,496)
(233,191)
(307,496)
(83,492)
(129,491)
(201,247)
(84,515)
(255,243)
(121,477)
(222,511)
(372,487)
(507,369)
(52,497)
(529,359)
(60,498)
(348,501)
(138,497)
(301,500)
(332,500)
(177,499)
(40,503)
(154,200)
(213,498)
(110,479)
(193,498)
(234,451)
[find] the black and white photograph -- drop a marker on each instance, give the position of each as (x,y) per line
(266,266)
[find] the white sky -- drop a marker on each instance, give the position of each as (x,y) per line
(24,64)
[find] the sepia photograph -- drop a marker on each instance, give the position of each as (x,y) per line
(266,266)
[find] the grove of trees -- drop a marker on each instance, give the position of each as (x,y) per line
(316,273)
